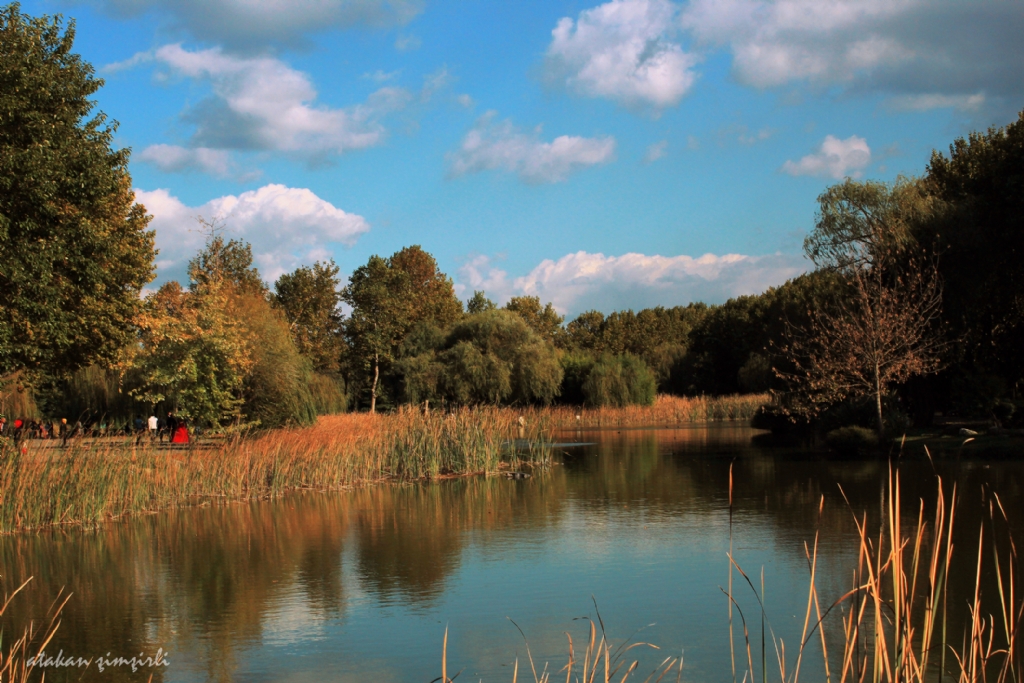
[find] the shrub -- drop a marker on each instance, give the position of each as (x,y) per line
(850,441)
(620,381)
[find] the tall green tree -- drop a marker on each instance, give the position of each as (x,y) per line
(309,298)
(74,244)
(381,316)
(980,237)
(389,298)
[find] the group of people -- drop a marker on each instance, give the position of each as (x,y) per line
(23,428)
(174,428)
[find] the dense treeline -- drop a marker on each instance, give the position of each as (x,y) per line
(915,304)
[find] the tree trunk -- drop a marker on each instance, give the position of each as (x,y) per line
(373,389)
(878,406)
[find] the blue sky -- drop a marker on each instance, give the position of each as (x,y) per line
(608,156)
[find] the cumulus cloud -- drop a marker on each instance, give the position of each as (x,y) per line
(492,145)
(254,23)
(905,48)
(834,159)
(285,225)
(260,103)
(623,50)
(174,159)
(581,281)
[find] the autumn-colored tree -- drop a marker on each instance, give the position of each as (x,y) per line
(882,329)
(192,355)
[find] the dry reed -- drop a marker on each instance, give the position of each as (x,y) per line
(897,607)
(666,411)
(100,479)
(18,661)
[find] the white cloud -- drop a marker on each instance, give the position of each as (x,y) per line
(286,226)
(407,43)
(623,50)
(582,281)
(835,159)
(926,102)
(656,151)
(465,100)
(494,145)
(172,159)
(260,103)
(254,23)
(903,48)
(379,76)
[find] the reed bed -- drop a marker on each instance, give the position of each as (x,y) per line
(895,625)
(91,481)
(666,411)
(17,660)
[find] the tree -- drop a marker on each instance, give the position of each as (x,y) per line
(192,355)
(620,381)
(882,330)
(76,252)
(309,298)
(495,357)
(381,315)
(228,262)
(428,288)
(480,303)
(980,185)
(389,297)
(545,321)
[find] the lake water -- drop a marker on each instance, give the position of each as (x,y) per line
(360,585)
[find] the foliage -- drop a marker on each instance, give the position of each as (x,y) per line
(193,356)
(980,185)
(76,252)
(275,390)
(852,441)
(619,381)
(224,262)
(495,357)
(543,320)
(310,297)
(576,367)
(479,303)
(328,393)
(883,330)
(389,297)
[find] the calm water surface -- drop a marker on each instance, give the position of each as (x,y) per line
(360,585)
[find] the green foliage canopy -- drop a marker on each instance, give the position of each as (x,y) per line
(76,252)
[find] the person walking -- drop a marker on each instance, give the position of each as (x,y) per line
(154,425)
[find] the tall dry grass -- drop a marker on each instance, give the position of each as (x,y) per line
(895,618)
(17,659)
(91,481)
(666,411)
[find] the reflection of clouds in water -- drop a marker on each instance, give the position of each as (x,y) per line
(291,621)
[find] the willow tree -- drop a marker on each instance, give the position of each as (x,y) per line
(75,248)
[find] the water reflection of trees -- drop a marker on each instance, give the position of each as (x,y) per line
(208,580)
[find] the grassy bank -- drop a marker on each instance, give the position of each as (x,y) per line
(96,480)
(93,480)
